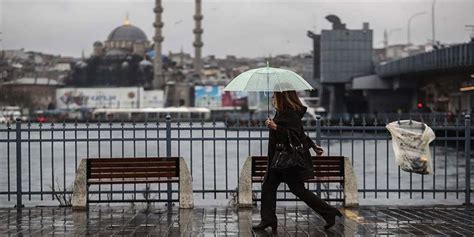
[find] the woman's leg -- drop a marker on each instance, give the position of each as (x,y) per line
(314,202)
(269,191)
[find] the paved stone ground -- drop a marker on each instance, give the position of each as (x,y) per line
(227,221)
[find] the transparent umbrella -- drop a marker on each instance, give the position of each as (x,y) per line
(268,79)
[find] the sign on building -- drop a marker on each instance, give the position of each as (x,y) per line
(122,97)
(214,97)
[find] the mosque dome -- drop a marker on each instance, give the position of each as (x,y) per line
(127,32)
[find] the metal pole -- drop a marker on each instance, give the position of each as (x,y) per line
(318,130)
(467,155)
(18,165)
(168,153)
(318,142)
(268,91)
(168,135)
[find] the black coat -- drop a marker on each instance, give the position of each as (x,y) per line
(291,119)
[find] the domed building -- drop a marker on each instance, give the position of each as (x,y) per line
(121,60)
(128,38)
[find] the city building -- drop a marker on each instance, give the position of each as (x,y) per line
(344,54)
(29,93)
(121,60)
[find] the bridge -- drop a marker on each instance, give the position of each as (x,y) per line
(441,80)
(457,58)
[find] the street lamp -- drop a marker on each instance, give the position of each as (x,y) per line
(409,24)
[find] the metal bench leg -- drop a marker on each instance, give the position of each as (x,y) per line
(87,198)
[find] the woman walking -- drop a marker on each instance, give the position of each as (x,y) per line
(289,112)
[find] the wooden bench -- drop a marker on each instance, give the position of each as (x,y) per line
(327,169)
(132,171)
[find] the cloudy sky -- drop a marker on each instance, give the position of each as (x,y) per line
(242,28)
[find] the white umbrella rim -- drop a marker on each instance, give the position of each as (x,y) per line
(277,71)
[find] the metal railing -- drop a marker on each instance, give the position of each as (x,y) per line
(48,155)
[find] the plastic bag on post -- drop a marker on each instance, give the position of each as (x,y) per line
(410,140)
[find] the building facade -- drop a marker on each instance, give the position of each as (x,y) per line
(345,53)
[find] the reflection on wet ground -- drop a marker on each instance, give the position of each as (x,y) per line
(293,220)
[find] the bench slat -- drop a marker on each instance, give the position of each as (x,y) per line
(327,168)
(138,159)
(259,179)
(132,175)
(338,158)
(326,179)
(316,167)
(131,164)
(132,181)
(132,169)
(313,157)
(328,174)
(317,174)
(328,162)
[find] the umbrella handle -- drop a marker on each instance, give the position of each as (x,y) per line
(268,87)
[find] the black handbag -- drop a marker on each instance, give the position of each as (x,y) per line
(289,156)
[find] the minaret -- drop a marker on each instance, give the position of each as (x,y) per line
(197,39)
(158,77)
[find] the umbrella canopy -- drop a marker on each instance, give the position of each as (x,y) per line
(268,79)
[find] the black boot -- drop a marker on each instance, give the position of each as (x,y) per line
(263,226)
(331,220)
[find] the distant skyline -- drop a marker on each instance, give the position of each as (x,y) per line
(244,28)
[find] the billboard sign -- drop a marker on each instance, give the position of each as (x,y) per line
(120,97)
(207,96)
(214,97)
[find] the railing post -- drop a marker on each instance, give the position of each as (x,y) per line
(318,142)
(168,154)
(318,130)
(467,154)
(168,135)
(18,165)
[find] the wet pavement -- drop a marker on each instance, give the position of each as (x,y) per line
(293,220)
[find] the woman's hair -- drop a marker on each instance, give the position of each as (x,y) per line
(287,100)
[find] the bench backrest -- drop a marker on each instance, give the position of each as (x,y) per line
(325,167)
(130,168)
